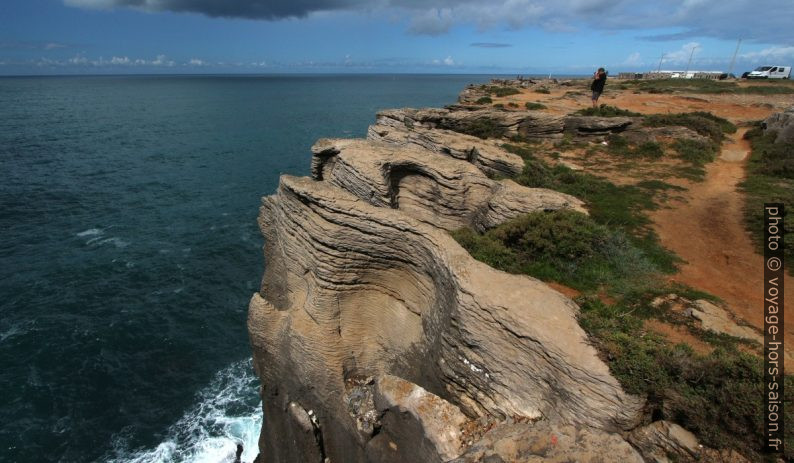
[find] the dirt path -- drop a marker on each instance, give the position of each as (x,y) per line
(706,229)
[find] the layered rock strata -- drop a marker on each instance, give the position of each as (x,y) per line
(377,338)
(438,190)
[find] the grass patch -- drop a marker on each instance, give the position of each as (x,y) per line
(565,246)
(534,106)
(708,86)
(484,100)
(607,111)
(695,152)
(512,104)
(703,123)
(483,128)
(770,179)
(718,396)
(499,105)
(619,146)
(502,91)
(542,90)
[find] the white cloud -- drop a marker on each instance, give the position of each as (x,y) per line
(197,62)
(161,60)
(769,54)
(449,61)
(634,59)
(78,59)
(124,61)
(681,56)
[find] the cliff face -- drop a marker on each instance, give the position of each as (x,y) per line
(378,338)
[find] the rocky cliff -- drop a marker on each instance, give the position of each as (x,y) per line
(377,338)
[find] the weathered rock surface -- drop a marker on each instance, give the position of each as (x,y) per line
(543,442)
(509,123)
(637,133)
(355,290)
(591,125)
(416,424)
(666,442)
(783,124)
(484,154)
(714,318)
(438,190)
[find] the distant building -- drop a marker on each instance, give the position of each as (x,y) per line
(715,75)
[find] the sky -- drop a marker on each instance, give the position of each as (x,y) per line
(562,37)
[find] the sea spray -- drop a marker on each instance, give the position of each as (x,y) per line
(227,412)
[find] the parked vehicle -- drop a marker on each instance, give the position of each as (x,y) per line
(770,72)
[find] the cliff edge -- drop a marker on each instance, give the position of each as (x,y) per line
(378,338)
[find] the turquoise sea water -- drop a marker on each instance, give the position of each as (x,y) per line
(130,249)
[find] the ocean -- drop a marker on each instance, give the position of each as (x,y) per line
(130,249)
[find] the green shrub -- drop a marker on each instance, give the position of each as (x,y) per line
(695,152)
(649,149)
(484,100)
(707,86)
(564,246)
(499,105)
(607,111)
(533,106)
(503,91)
(769,180)
(620,146)
(704,123)
(543,90)
(483,128)
(716,396)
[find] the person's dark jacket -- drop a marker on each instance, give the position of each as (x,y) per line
(598,84)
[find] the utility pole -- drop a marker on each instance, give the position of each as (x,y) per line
(660,63)
(733,60)
(690,62)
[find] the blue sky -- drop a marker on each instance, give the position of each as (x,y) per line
(440,36)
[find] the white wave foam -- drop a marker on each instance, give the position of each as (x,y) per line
(90,232)
(228,412)
(118,242)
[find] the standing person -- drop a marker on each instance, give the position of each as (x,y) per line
(599,79)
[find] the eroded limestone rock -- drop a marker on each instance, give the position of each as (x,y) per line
(442,191)
(484,154)
(716,319)
(508,123)
(355,290)
(543,442)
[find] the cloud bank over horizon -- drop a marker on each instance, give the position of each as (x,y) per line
(761,21)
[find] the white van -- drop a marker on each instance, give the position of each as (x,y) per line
(770,72)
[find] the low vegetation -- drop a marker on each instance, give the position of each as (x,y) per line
(563,246)
(707,86)
(484,100)
(717,394)
(704,123)
(620,146)
(502,91)
(770,179)
(531,105)
(695,152)
(483,128)
(618,207)
(543,90)
(607,111)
